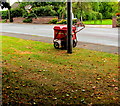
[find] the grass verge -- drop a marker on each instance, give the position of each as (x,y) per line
(99,22)
(36,73)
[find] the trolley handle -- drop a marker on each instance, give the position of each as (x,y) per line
(79,30)
(79,24)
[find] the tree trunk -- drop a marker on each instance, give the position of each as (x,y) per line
(81,18)
(63,16)
(9,15)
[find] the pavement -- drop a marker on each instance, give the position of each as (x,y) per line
(99,26)
(85,45)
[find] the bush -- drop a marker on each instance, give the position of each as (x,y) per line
(31,15)
(27,20)
(16,12)
(53,21)
(74,21)
(11,19)
(4,21)
(4,15)
(13,13)
(0,13)
(63,21)
(25,14)
(44,11)
(118,21)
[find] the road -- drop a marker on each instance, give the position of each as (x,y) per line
(104,36)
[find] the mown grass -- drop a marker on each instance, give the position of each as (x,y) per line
(99,22)
(36,73)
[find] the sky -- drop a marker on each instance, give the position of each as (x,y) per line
(11,2)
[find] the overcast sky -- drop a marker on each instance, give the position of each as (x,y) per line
(11,2)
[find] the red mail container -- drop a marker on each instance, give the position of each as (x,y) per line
(60,32)
(60,36)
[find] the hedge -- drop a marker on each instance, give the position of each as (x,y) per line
(118,21)
(53,21)
(27,20)
(44,11)
(4,15)
(13,12)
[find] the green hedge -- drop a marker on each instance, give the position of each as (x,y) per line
(25,14)
(53,21)
(4,15)
(27,20)
(63,21)
(74,21)
(44,11)
(4,21)
(16,12)
(13,12)
(118,21)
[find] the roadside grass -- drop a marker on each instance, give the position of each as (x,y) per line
(99,22)
(36,73)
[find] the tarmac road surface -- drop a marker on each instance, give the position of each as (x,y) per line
(105,36)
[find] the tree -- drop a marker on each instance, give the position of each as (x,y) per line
(62,12)
(7,5)
(108,9)
(81,9)
(96,11)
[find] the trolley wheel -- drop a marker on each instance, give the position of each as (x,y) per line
(74,43)
(56,45)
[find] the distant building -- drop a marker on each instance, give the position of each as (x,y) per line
(15,5)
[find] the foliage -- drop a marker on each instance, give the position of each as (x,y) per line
(0,13)
(118,21)
(23,4)
(53,21)
(63,21)
(11,19)
(52,8)
(108,9)
(99,22)
(16,12)
(27,20)
(62,11)
(36,4)
(4,15)
(25,14)
(81,10)
(13,13)
(94,10)
(31,15)
(5,5)
(34,73)
(4,21)
(74,21)
(44,11)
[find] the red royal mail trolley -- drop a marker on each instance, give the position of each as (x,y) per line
(60,36)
